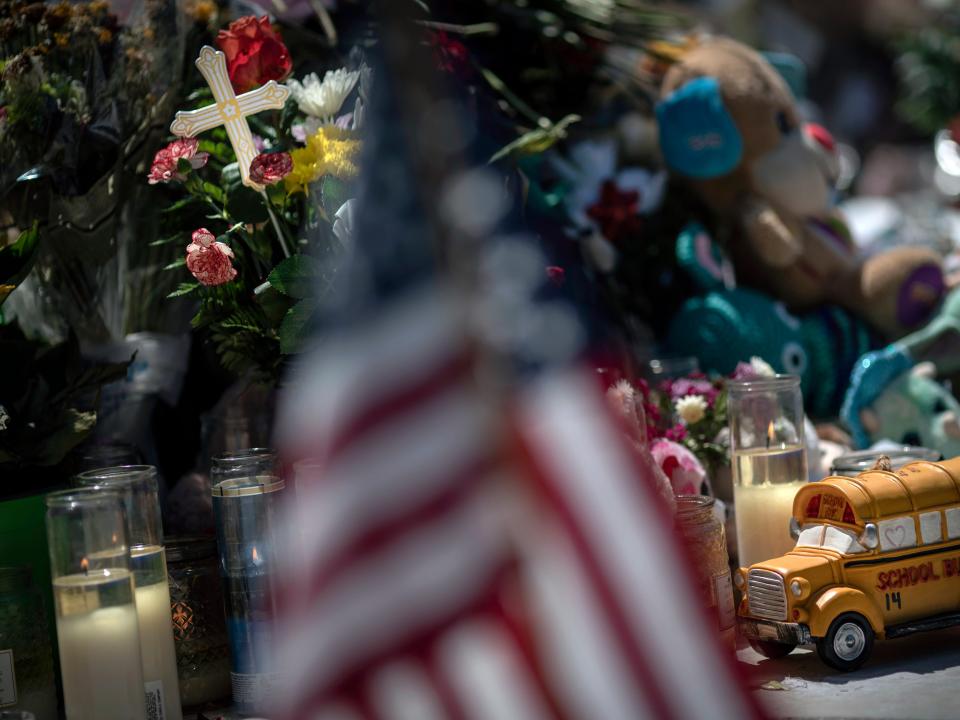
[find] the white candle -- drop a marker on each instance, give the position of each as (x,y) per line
(98,636)
(156,632)
(765,484)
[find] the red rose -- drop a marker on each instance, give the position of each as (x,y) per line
(208,260)
(255,53)
(270,168)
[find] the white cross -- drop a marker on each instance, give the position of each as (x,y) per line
(230,111)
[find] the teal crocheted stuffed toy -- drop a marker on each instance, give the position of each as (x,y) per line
(729,324)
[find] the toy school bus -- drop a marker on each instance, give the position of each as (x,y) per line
(877,556)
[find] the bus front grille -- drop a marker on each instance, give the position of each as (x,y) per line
(766,595)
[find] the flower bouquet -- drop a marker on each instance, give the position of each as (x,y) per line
(260,255)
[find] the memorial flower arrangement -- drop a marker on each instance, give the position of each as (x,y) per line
(75,82)
(691,412)
(257,259)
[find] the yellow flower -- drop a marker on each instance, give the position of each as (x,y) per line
(329,151)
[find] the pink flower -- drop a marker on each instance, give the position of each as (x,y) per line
(164,168)
(685,471)
(676,433)
(209,260)
(270,168)
(682,387)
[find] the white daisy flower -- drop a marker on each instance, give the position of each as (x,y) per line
(691,408)
(323,99)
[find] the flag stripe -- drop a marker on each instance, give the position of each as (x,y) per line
(377,539)
(393,598)
(615,516)
(401,399)
(613,613)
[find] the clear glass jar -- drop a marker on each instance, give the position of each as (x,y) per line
(137,486)
(244,464)
(247,493)
(707,541)
(26,656)
(852,464)
(769,461)
(97,628)
(199,627)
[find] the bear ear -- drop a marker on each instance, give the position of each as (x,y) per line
(698,138)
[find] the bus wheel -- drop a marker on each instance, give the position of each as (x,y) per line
(771,649)
(848,642)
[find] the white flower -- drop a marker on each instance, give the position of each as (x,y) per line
(691,408)
(323,99)
(4,418)
(761,367)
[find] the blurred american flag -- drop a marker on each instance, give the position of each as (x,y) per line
(473,541)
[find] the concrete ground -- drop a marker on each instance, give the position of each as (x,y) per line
(912,678)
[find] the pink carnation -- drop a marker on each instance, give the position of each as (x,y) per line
(681,387)
(164,168)
(685,471)
(209,260)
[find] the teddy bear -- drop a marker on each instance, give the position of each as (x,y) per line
(729,127)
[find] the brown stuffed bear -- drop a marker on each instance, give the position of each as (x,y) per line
(728,124)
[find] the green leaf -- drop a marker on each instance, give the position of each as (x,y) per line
(214,191)
(538,140)
(294,325)
(230,176)
(178,263)
(184,167)
(247,205)
(296,276)
(184,289)
(17,260)
(334,193)
(170,239)
(180,204)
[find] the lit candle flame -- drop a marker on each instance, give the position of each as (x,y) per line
(770,434)
(255,557)
(113,538)
(84,565)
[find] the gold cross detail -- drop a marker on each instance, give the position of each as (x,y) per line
(230,110)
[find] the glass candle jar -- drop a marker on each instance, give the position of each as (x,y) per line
(26,656)
(97,629)
(137,487)
(246,504)
(852,464)
(199,628)
(769,460)
(707,541)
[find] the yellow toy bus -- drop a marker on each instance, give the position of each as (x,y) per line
(877,556)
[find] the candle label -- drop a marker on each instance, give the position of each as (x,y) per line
(723,600)
(253,690)
(8,681)
(155,708)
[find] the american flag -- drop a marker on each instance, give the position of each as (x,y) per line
(472,542)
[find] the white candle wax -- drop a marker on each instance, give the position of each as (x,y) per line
(98,637)
(156,632)
(765,484)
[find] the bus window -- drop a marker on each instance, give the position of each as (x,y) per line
(830,537)
(897,533)
(953,523)
(811,536)
(842,540)
(930,527)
